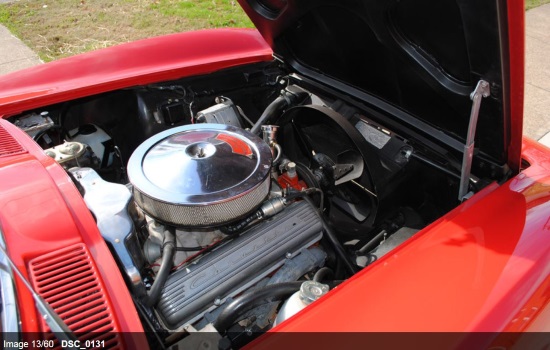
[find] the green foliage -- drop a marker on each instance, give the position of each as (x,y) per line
(61,28)
(218,13)
(529,4)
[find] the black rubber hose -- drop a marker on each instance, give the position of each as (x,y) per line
(322,273)
(256,297)
(252,298)
(274,109)
(306,192)
(168,250)
(351,268)
(290,96)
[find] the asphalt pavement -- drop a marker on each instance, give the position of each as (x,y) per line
(15,55)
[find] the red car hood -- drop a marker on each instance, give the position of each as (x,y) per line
(107,69)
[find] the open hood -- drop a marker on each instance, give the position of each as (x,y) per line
(424,57)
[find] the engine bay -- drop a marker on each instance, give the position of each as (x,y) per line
(233,200)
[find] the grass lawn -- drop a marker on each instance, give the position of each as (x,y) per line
(529,4)
(61,28)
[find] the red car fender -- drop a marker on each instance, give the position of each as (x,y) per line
(42,211)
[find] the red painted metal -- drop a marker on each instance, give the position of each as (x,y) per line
(516,44)
(68,280)
(41,211)
(142,62)
(286,181)
(237,145)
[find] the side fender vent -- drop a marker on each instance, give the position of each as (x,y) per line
(8,145)
(67,279)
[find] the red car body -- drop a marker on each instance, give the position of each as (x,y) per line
(482,267)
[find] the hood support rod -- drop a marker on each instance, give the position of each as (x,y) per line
(482,90)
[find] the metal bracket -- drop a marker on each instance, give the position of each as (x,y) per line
(482,90)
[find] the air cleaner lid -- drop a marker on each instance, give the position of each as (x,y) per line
(199,164)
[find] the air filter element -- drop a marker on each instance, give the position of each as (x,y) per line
(200,175)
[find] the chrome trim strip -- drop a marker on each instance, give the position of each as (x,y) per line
(9,313)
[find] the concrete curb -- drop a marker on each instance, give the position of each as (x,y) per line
(14,55)
(536,120)
(545,140)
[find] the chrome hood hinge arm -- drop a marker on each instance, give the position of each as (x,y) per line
(482,90)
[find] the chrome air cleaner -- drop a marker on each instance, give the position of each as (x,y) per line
(200,175)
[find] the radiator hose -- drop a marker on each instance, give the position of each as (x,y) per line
(256,297)
(168,250)
(252,298)
(292,95)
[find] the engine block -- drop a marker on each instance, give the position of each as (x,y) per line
(204,285)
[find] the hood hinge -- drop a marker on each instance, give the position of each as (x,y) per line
(482,90)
